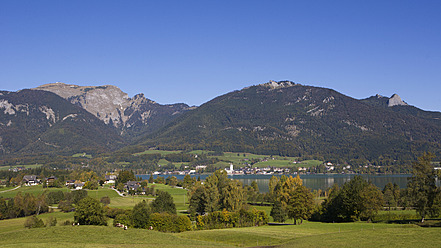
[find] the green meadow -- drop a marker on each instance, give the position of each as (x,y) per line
(28,166)
(239,159)
(309,234)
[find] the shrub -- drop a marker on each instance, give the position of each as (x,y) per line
(66,206)
(165,222)
(33,222)
(51,221)
(226,219)
(113,212)
(122,219)
(67,223)
(105,200)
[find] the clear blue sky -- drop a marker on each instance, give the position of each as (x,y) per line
(192,51)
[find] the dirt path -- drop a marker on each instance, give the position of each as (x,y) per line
(10,189)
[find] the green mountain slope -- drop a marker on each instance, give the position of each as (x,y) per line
(291,119)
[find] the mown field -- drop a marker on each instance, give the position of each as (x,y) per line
(309,234)
(27,166)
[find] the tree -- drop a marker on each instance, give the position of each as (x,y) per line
(90,212)
(92,185)
(140,215)
(291,199)
(188,182)
(255,186)
(163,203)
(278,212)
(151,180)
(173,181)
(355,200)
(390,195)
(232,196)
(125,176)
(422,190)
(34,222)
(198,200)
(300,204)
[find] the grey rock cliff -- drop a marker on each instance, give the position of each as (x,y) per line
(114,107)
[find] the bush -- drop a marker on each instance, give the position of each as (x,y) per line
(33,222)
(122,219)
(67,223)
(66,206)
(226,219)
(51,221)
(105,200)
(113,212)
(165,222)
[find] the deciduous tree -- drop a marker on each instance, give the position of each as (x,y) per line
(422,189)
(90,212)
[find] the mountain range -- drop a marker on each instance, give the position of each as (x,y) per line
(281,118)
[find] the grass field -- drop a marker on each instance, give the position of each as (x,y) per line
(34,190)
(309,234)
(28,166)
(239,159)
(82,155)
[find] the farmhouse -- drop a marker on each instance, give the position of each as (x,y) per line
(110,178)
(79,185)
(132,185)
(30,180)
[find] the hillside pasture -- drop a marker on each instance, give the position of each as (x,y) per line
(28,166)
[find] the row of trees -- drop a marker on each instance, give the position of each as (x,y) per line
(23,205)
(216,193)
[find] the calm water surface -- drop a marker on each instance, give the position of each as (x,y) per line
(320,181)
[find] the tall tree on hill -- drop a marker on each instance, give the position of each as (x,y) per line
(422,189)
(140,215)
(90,212)
(292,199)
(163,203)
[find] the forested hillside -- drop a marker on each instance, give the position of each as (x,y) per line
(290,119)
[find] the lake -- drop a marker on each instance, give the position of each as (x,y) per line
(316,181)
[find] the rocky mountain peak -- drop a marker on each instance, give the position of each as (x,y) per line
(276,85)
(114,107)
(395,100)
(106,102)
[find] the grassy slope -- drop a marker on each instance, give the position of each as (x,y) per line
(309,234)
(238,161)
(324,235)
(30,166)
